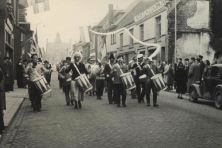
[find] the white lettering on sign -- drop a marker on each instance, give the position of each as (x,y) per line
(157,6)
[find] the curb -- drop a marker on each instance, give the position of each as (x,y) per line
(16,112)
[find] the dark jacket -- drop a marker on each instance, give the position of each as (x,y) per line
(75,73)
(107,72)
(2,91)
(139,69)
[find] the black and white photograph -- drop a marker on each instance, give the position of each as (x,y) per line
(110,73)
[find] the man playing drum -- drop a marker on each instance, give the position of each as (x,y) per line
(119,90)
(77,68)
(66,77)
(35,70)
(150,70)
(139,84)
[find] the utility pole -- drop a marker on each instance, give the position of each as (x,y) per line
(175,32)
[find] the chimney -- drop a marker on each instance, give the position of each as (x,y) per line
(82,35)
(110,14)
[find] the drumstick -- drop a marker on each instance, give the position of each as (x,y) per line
(151,69)
(120,68)
(76,68)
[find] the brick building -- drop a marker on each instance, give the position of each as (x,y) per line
(153,21)
(7,20)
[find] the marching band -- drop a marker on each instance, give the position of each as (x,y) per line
(140,76)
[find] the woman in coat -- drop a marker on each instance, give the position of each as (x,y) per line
(180,78)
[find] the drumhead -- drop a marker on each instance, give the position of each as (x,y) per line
(125,74)
(142,76)
(156,76)
(37,79)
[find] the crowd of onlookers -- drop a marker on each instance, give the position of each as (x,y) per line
(182,74)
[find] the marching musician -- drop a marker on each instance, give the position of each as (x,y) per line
(108,77)
(35,70)
(119,89)
(150,70)
(133,72)
(78,93)
(139,72)
(100,78)
(66,77)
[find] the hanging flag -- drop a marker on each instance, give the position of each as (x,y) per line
(102,50)
(2,4)
(37,4)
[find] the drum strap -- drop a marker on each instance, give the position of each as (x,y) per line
(77,68)
(151,69)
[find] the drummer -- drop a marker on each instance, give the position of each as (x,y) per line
(119,89)
(77,92)
(139,71)
(66,77)
(150,70)
(35,70)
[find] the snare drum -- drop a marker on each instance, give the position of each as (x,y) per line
(158,82)
(128,81)
(42,85)
(83,83)
(142,78)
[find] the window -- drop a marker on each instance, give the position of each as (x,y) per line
(121,40)
(142,32)
(163,53)
(130,39)
(22,37)
(158,27)
(9,1)
(113,39)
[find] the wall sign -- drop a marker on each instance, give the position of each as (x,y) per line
(157,6)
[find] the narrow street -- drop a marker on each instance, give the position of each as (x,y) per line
(175,124)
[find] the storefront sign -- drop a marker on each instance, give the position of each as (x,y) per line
(157,6)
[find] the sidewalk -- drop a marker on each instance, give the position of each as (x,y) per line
(14,100)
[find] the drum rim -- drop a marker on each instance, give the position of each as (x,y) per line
(48,91)
(39,78)
(125,74)
(155,76)
(145,76)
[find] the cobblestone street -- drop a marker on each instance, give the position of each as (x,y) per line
(175,124)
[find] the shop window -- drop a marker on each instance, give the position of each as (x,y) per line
(163,53)
(121,40)
(113,39)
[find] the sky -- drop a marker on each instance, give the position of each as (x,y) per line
(66,16)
